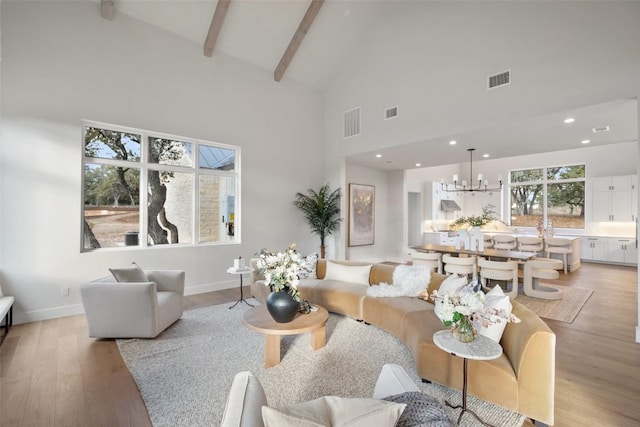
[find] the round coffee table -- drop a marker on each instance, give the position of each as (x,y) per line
(258,319)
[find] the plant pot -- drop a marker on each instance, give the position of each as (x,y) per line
(282,307)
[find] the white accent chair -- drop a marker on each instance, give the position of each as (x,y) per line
(500,270)
(431,259)
(504,242)
(460,265)
(558,245)
(133,309)
(6,314)
(541,268)
(530,244)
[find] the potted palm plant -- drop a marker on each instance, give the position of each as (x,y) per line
(321,209)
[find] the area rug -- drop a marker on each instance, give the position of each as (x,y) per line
(185,373)
(563,310)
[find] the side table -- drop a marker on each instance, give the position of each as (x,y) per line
(481,348)
(240,272)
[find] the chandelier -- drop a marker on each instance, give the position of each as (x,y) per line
(482,185)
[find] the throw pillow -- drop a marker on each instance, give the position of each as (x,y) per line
(422,410)
(412,279)
(334,411)
(348,273)
(452,284)
(308,270)
(133,274)
(495,298)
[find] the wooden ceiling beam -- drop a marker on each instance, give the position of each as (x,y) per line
(296,40)
(107,9)
(216,26)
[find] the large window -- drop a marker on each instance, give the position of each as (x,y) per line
(551,195)
(146,189)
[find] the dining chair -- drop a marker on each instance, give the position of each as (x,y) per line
(506,271)
(460,265)
(488,241)
(530,244)
(541,268)
(431,259)
(558,245)
(504,242)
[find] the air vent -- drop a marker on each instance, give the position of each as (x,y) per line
(391,113)
(352,123)
(500,79)
(601,129)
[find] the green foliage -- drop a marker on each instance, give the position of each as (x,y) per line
(488,215)
(321,210)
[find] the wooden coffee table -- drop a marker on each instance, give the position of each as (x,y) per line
(259,319)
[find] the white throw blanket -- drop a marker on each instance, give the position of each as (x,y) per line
(408,281)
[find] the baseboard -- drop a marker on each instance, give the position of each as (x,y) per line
(47,313)
(638,334)
(210,287)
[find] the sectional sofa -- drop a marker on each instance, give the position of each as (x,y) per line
(522,379)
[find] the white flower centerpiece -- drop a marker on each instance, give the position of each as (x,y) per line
(282,275)
(458,310)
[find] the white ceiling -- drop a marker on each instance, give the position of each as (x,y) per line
(258,32)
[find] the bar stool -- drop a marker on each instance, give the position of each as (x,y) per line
(558,245)
(500,270)
(541,268)
(431,259)
(488,241)
(460,265)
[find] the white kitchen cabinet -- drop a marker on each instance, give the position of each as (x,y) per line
(611,198)
(475,201)
(433,194)
(594,248)
(622,250)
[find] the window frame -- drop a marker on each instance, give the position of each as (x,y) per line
(545,182)
(144,166)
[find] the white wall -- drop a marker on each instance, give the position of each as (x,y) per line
(61,63)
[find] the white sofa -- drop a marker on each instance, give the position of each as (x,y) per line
(246,396)
(133,309)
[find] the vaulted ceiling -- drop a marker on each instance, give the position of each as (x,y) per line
(259,31)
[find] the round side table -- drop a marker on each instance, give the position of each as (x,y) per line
(240,272)
(481,348)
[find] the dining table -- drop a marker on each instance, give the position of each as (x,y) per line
(487,253)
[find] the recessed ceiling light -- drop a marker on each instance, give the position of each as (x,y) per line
(569,120)
(418,165)
(452,142)
(485,155)
(585,141)
(378,155)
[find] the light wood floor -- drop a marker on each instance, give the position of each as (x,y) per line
(52,374)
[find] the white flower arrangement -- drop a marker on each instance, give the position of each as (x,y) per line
(467,303)
(282,269)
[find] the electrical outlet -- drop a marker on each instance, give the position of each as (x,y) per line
(64,291)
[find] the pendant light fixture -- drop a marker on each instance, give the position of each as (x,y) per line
(482,185)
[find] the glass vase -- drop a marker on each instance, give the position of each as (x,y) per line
(464,330)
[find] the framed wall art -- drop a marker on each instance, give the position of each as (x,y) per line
(362,205)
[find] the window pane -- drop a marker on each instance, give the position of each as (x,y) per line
(566,204)
(527,175)
(565,172)
(217,158)
(111,144)
(167,152)
(170,207)
(111,206)
(526,205)
(217,208)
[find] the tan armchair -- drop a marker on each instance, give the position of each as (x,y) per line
(133,310)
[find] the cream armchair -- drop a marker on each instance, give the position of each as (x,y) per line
(133,309)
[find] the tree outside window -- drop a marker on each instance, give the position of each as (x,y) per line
(549,195)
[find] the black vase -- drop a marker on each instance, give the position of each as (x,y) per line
(282,307)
